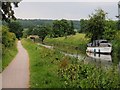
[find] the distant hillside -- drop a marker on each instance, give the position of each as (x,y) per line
(33,22)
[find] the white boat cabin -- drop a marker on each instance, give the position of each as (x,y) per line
(99,46)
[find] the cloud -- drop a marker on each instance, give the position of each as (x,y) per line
(66,10)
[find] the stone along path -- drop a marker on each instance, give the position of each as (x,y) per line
(16,75)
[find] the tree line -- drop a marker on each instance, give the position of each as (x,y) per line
(34,22)
(96,27)
(60,28)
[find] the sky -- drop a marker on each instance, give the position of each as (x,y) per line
(34,9)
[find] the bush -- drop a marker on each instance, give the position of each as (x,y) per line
(8,45)
(89,76)
(8,38)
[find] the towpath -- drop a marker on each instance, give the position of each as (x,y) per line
(16,75)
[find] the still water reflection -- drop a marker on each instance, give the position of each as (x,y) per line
(99,59)
(100,56)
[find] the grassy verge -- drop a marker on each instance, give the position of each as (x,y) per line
(8,56)
(43,66)
(51,69)
(71,44)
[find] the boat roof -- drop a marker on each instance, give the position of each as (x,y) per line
(101,40)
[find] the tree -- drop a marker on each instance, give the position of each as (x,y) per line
(62,28)
(16,28)
(96,25)
(56,29)
(41,31)
(110,30)
(6,10)
(25,32)
(65,27)
(29,31)
(71,30)
(83,25)
(109,33)
(111,24)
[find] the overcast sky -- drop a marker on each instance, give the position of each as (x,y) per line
(66,10)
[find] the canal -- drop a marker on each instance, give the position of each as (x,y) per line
(102,60)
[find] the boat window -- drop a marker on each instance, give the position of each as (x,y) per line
(104,42)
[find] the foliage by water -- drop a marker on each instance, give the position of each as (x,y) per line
(72,44)
(77,44)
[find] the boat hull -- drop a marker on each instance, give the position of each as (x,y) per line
(103,57)
(104,50)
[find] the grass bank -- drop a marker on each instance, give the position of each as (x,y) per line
(51,69)
(71,44)
(43,66)
(8,56)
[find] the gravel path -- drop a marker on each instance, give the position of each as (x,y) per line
(16,75)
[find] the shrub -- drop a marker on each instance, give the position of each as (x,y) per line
(8,38)
(89,76)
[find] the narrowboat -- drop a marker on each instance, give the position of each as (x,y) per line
(99,46)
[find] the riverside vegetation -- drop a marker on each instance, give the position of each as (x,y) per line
(70,44)
(51,69)
(76,44)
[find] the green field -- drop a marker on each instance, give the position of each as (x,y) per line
(51,69)
(72,44)
(8,56)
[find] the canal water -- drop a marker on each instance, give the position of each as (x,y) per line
(102,60)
